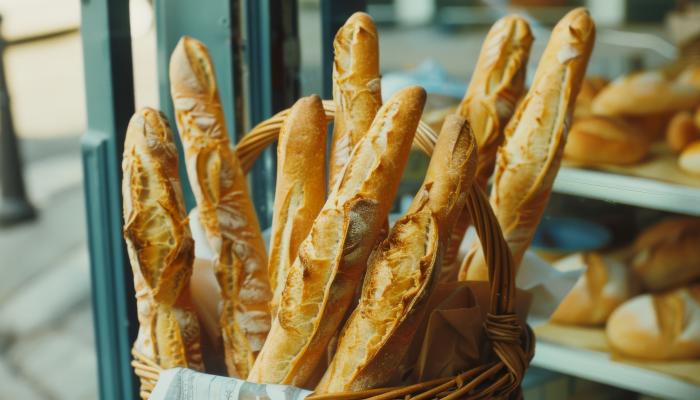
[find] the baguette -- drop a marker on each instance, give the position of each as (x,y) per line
(604,285)
(322,281)
(667,254)
(356,88)
(300,190)
(159,243)
(403,270)
(497,84)
(225,209)
(529,159)
(658,326)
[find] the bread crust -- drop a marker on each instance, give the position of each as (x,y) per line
(225,209)
(497,84)
(356,88)
(529,160)
(667,254)
(681,131)
(403,270)
(590,88)
(331,260)
(598,139)
(300,189)
(664,326)
(159,243)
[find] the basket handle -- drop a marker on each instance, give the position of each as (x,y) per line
(496,251)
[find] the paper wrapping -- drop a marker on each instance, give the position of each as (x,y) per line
(186,384)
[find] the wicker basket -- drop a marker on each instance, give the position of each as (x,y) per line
(512,344)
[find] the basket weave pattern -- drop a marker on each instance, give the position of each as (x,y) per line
(512,344)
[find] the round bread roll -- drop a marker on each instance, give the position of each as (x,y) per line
(667,254)
(689,161)
(658,326)
(605,140)
(681,131)
(590,87)
(645,93)
(605,284)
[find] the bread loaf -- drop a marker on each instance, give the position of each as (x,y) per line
(403,270)
(331,260)
(664,326)
(225,209)
(604,285)
(529,159)
(643,93)
(496,85)
(605,140)
(356,88)
(159,242)
(667,254)
(300,189)
(590,88)
(681,131)
(689,161)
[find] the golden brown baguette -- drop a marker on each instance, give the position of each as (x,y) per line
(356,88)
(660,326)
(159,242)
(643,93)
(604,285)
(402,272)
(598,139)
(667,254)
(322,281)
(529,159)
(301,187)
(225,209)
(681,131)
(496,85)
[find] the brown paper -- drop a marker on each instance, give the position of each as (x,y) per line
(452,338)
(595,339)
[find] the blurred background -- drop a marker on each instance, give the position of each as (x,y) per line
(47,345)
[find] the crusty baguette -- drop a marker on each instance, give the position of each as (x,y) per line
(159,242)
(402,272)
(331,260)
(529,159)
(496,85)
(225,209)
(356,88)
(599,139)
(661,326)
(301,187)
(604,285)
(667,254)
(643,93)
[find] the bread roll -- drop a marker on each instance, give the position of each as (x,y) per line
(301,187)
(605,140)
(663,326)
(605,284)
(404,269)
(689,161)
(356,88)
(529,159)
(159,242)
(681,131)
(331,260)
(667,254)
(225,209)
(497,84)
(590,88)
(645,93)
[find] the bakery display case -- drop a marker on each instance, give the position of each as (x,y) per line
(620,180)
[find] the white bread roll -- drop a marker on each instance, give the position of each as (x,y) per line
(604,285)
(663,326)
(331,260)
(403,270)
(689,160)
(599,139)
